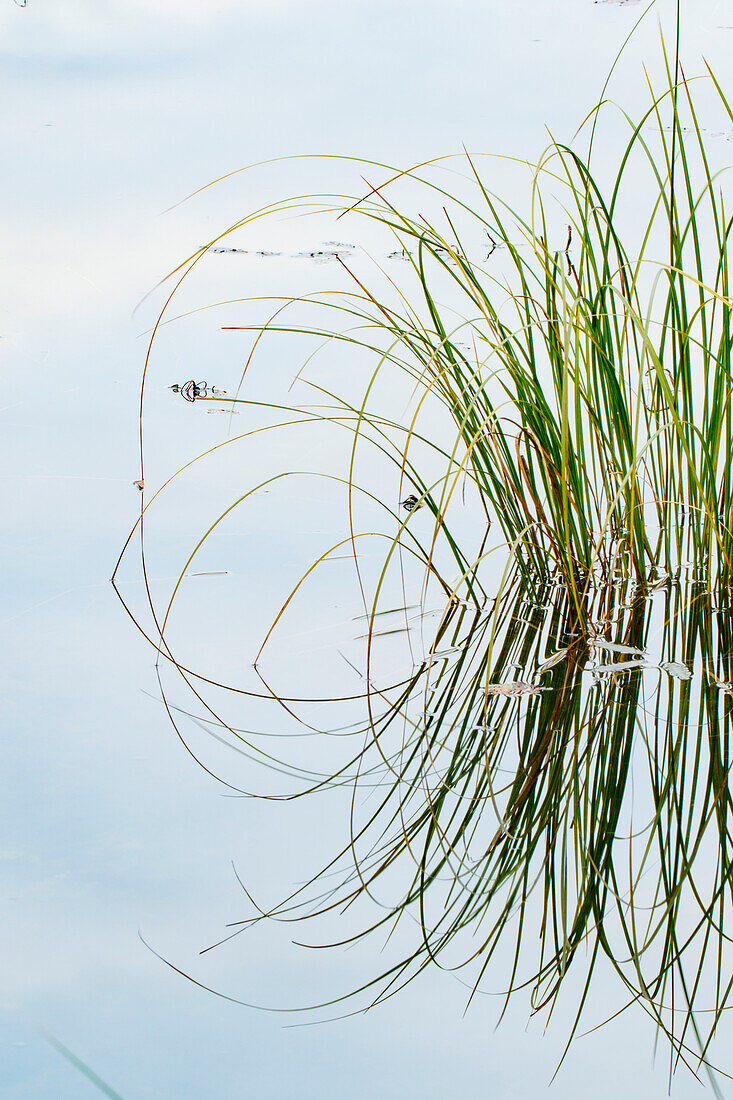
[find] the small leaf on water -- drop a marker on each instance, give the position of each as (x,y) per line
(676,669)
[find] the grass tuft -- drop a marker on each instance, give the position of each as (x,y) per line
(549,779)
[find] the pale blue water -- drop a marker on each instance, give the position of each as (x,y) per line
(113,112)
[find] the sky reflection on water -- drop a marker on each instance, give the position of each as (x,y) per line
(114,112)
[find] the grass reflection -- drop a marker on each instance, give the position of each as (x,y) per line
(544,792)
(529,831)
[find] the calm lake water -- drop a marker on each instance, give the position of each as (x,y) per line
(114,113)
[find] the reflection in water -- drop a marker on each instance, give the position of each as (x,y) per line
(537,798)
(530,828)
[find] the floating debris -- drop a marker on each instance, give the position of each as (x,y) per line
(323,255)
(247,251)
(190,390)
(411,503)
(193,391)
